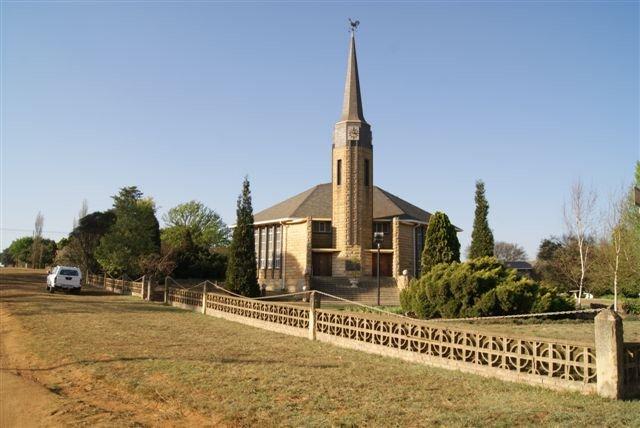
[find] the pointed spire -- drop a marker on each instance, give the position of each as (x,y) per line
(352,104)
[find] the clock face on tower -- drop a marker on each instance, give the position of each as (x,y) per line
(353,133)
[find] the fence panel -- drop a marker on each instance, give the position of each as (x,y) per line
(277,313)
(560,362)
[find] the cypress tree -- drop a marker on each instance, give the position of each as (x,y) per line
(241,267)
(441,243)
(481,237)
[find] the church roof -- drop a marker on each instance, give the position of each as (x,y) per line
(318,202)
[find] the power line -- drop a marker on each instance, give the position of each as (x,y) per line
(31,230)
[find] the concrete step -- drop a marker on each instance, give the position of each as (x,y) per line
(366,292)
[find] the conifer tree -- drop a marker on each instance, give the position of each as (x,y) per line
(241,268)
(481,238)
(441,243)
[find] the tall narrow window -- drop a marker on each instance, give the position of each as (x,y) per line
(270,231)
(256,235)
(278,247)
(366,172)
(339,171)
(263,248)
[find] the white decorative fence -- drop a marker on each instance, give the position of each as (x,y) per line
(556,364)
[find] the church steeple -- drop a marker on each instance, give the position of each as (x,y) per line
(352,179)
(352,104)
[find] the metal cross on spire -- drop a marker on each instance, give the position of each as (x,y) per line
(353,25)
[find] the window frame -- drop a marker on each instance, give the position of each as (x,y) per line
(278,248)
(320,226)
(270,246)
(385,227)
(263,248)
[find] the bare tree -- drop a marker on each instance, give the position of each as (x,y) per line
(579,218)
(508,252)
(84,210)
(36,247)
(613,230)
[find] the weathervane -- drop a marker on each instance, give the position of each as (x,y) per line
(353,25)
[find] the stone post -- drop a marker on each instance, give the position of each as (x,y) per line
(609,354)
(149,290)
(314,303)
(204,298)
(166,290)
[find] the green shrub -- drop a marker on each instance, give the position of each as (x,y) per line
(631,306)
(479,287)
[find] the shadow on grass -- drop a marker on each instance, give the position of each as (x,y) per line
(223,360)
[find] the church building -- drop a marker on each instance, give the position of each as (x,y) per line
(326,233)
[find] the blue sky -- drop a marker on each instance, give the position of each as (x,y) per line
(184,99)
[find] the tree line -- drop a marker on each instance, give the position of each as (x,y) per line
(127,240)
(597,253)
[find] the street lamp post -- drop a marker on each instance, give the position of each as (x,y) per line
(378,237)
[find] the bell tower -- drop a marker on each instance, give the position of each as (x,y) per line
(352,178)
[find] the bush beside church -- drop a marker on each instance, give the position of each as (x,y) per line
(479,287)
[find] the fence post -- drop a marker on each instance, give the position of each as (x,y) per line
(144,279)
(149,289)
(609,354)
(104,283)
(166,295)
(314,303)
(204,298)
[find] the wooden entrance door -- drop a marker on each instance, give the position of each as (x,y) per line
(321,263)
(386,264)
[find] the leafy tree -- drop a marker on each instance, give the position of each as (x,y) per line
(80,248)
(508,252)
(481,236)
(478,287)
(200,262)
(48,248)
(241,268)
(548,248)
(20,250)
(135,234)
(441,243)
(6,258)
(204,225)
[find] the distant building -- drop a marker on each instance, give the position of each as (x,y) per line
(327,230)
(523,268)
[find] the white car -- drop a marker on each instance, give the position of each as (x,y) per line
(64,278)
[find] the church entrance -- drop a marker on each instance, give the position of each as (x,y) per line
(386,264)
(321,264)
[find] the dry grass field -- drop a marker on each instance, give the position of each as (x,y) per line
(107,360)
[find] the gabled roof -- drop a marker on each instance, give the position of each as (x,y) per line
(314,202)
(318,202)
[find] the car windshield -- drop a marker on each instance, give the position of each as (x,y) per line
(69,272)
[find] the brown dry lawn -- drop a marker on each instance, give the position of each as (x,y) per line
(105,360)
